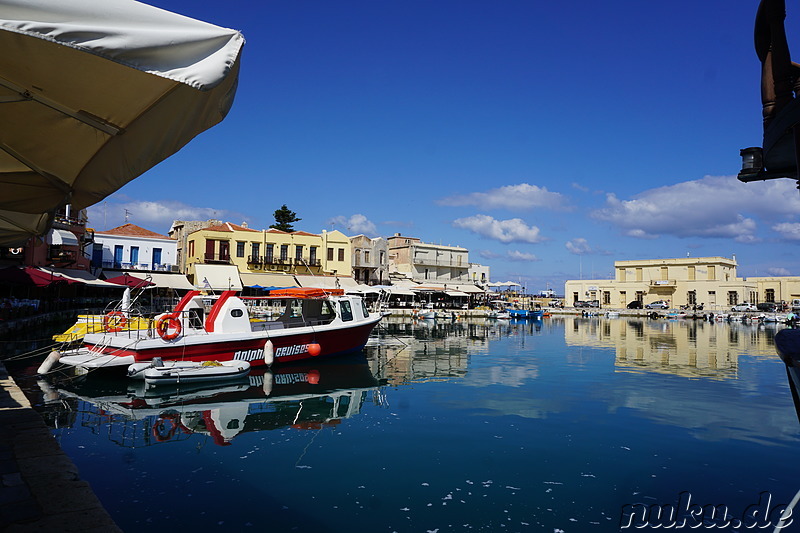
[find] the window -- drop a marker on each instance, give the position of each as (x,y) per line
(691,297)
(712,272)
(255,249)
(312,255)
(364,308)
(733,297)
(692,273)
(347,312)
(341,254)
(638,274)
(664,272)
(134,255)
(117,256)
(606,298)
(239,248)
(270,253)
(330,254)
(191,248)
(366,256)
(156,257)
(284,252)
(298,253)
(769,295)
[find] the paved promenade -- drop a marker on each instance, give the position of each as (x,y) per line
(41,489)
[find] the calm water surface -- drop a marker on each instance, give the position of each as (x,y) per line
(439,426)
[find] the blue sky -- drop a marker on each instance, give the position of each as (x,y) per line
(548,138)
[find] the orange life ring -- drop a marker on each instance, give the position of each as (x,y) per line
(114,321)
(169,327)
(165,427)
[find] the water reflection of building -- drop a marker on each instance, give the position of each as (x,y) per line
(436,350)
(690,348)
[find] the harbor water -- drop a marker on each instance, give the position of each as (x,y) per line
(566,424)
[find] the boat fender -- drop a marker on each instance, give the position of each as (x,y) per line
(268,382)
(48,362)
(269,353)
(314,349)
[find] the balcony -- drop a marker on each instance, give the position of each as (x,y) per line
(441,262)
(61,257)
(217,258)
(255,261)
(663,283)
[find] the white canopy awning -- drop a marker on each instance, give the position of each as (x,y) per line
(81,276)
(253,279)
(95,93)
(328,282)
(217,277)
(466,287)
(62,237)
(402,289)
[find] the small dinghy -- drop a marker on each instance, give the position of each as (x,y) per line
(173,372)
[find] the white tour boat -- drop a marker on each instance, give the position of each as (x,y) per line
(313,323)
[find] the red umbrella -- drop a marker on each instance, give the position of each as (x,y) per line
(29,276)
(130,281)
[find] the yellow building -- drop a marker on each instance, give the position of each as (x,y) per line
(711,281)
(268,251)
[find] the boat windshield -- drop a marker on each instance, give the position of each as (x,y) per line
(305,311)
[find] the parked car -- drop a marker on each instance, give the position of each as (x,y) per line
(658,304)
(795,305)
(594,303)
(636,304)
(767,307)
(580,303)
(744,306)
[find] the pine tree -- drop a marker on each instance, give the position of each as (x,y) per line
(284,217)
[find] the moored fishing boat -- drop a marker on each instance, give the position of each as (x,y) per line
(312,323)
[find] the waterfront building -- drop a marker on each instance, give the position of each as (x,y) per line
(130,247)
(424,262)
(712,281)
(180,231)
(370,260)
(266,257)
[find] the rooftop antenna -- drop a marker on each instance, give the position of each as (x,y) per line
(126,215)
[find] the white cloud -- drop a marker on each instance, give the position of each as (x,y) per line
(579,246)
(788,230)
(355,225)
(155,216)
(778,271)
(506,231)
(522,196)
(713,206)
(516,255)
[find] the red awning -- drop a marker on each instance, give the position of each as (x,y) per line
(30,276)
(130,281)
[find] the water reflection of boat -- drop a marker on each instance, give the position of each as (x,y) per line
(299,396)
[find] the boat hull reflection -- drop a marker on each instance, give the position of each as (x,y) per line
(300,396)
